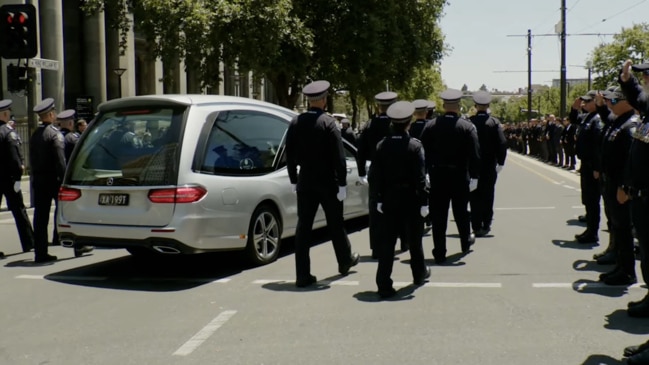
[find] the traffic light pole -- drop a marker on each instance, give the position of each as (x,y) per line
(31,92)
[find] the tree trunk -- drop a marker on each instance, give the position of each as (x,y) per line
(354,100)
(281,86)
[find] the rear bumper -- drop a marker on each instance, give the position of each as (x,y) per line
(151,243)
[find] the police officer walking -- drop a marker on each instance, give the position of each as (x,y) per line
(313,142)
(637,183)
(453,161)
(399,188)
(11,171)
(615,154)
(375,130)
(47,157)
(587,148)
(70,139)
(493,152)
(421,110)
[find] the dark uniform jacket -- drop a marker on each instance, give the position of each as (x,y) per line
(398,173)
(46,153)
(348,135)
(588,136)
(375,130)
(493,145)
(70,140)
(451,142)
(11,167)
(637,174)
(417,127)
(616,146)
(313,142)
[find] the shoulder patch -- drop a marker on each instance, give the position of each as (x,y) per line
(59,137)
(14,136)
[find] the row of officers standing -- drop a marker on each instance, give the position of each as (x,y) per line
(418,168)
(612,145)
(50,148)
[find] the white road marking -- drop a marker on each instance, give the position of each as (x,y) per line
(526,208)
(204,334)
(32,277)
(264,282)
(464,285)
(340,282)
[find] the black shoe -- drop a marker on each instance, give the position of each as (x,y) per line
(600,254)
(480,233)
(27,248)
(2,254)
(639,311)
(608,259)
(404,249)
(638,302)
(387,293)
(55,243)
(466,245)
(620,278)
(79,251)
(588,239)
(440,259)
(353,261)
(582,218)
(45,258)
(641,358)
(604,275)
(303,283)
(375,255)
(633,350)
(421,280)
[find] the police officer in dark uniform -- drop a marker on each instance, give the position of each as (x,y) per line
(615,155)
(70,139)
(453,164)
(431,110)
(587,148)
(313,142)
(493,152)
(637,175)
(47,157)
(11,171)
(375,130)
(66,123)
(346,132)
(399,187)
(421,110)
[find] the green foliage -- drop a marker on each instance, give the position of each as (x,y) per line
(631,43)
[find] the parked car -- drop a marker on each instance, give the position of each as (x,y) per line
(184,174)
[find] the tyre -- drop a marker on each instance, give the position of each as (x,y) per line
(141,252)
(264,235)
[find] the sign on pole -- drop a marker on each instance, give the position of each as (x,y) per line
(44,64)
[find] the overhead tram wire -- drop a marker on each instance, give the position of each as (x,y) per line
(613,16)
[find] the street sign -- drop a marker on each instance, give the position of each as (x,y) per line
(44,64)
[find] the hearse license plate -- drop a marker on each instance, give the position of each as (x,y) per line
(113,199)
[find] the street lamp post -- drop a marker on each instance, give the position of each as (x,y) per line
(119,72)
(589,67)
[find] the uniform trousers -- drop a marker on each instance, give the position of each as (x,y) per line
(308,202)
(16,205)
(621,228)
(640,219)
(46,190)
(590,197)
(399,218)
(482,200)
(449,186)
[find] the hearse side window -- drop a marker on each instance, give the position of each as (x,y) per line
(243,143)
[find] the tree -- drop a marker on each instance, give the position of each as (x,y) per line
(483,87)
(465,88)
(630,43)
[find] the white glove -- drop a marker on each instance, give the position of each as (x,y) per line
(342,193)
(424,211)
(473,184)
(427,179)
(363,180)
(294,188)
(379,207)
(17,186)
(499,168)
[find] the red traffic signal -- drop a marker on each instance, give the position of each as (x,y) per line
(18,35)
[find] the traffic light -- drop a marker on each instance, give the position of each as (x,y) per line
(18,31)
(16,78)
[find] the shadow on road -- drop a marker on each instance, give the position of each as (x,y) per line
(620,321)
(601,360)
(160,273)
(405,293)
(585,286)
(574,244)
(589,265)
(575,222)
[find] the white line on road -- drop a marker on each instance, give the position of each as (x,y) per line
(526,208)
(464,285)
(205,333)
(32,277)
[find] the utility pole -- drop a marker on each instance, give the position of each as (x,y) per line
(529,75)
(563,59)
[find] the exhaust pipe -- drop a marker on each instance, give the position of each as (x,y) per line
(67,243)
(166,250)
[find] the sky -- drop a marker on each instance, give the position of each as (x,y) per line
(477,31)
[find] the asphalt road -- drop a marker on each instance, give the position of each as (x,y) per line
(527,295)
